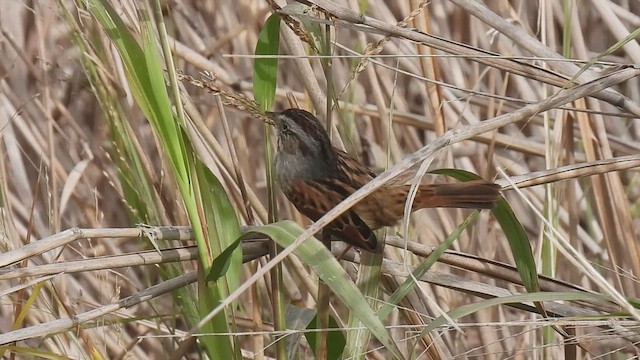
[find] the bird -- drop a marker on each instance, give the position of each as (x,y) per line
(315,177)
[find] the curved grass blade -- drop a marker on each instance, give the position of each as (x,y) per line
(513,230)
(422,269)
(209,210)
(323,263)
(468,309)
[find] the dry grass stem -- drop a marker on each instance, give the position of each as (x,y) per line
(540,97)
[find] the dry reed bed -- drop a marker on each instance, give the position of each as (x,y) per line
(59,168)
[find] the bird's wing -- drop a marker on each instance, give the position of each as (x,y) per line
(316,197)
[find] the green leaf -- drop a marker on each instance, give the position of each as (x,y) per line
(223,227)
(513,230)
(519,243)
(520,298)
(323,263)
(221,263)
(313,28)
(296,318)
(422,269)
(209,210)
(335,338)
(265,70)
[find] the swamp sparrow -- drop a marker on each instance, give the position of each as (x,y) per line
(316,177)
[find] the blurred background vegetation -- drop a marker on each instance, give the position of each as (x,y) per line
(120,113)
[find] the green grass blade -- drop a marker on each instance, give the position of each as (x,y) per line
(204,197)
(335,338)
(323,263)
(528,297)
(422,269)
(513,230)
(265,70)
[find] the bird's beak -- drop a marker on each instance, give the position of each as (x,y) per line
(272,116)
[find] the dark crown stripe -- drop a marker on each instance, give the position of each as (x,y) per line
(310,125)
